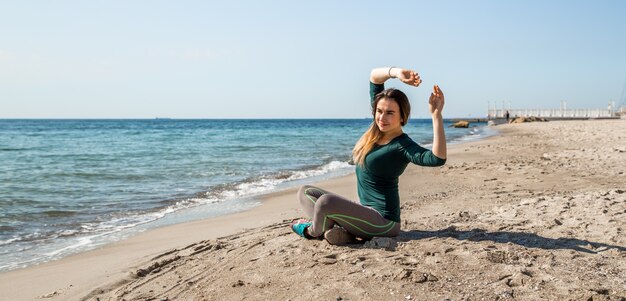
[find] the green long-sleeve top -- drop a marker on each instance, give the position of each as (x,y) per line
(377,179)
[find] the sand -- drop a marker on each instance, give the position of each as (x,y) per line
(538,212)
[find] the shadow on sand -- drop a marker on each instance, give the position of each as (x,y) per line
(528,240)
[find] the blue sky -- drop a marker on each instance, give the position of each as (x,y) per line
(302,59)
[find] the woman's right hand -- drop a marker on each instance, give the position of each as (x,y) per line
(436,101)
(408,77)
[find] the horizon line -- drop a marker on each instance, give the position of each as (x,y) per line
(226,118)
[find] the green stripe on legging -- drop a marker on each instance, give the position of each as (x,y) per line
(342,218)
(306,192)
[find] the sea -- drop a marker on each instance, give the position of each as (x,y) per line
(69,185)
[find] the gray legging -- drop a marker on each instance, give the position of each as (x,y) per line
(327,209)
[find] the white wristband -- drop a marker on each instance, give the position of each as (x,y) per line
(389,71)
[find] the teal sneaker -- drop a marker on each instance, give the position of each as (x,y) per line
(299,226)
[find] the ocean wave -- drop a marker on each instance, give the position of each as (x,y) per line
(88,235)
(476,133)
(9,241)
(271,182)
(217,194)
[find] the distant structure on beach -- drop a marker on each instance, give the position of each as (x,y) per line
(561,113)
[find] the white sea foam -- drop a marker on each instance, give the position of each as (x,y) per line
(80,242)
(268,184)
(8,241)
(322,170)
(475,133)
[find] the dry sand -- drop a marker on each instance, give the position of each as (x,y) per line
(537,213)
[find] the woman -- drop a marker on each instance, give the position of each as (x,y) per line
(381,156)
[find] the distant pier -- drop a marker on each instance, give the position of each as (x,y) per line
(547,114)
(552,113)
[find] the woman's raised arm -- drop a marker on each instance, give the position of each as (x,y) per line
(435,106)
(409,77)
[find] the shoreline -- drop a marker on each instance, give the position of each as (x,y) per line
(239,196)
(105,262)
(105,272)
(150,203)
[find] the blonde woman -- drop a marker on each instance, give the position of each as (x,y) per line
(381,156)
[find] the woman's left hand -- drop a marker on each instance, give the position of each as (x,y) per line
(409,77)
(435,103)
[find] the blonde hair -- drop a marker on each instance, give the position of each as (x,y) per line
(373,134)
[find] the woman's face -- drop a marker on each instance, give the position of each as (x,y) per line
(387,116)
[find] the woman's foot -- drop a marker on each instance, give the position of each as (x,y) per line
(339,236)
(300,227)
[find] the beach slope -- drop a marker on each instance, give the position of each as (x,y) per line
(538,212)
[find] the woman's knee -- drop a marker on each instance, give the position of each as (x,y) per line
(327,202)
(304,189)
